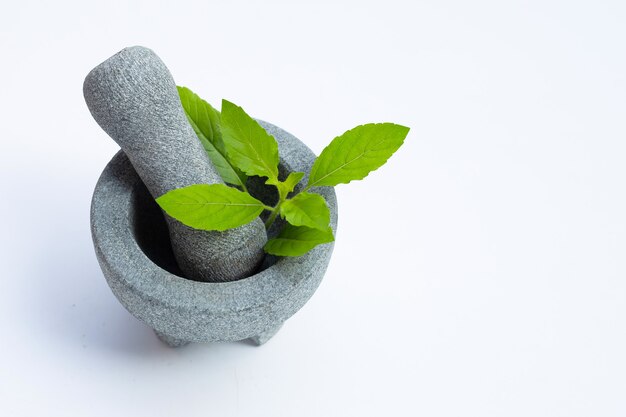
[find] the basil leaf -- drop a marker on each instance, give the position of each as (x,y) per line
(356,153)
(205,121)
(211,207)
(297,240)
(248,145)
(287,186)
(306,209)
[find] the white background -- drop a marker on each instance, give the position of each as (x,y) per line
(480,273)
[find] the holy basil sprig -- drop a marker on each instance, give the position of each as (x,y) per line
(239,147)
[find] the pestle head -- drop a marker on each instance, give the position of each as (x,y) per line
(133,97)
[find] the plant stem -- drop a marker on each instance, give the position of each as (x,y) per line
(282,196)
(270,220)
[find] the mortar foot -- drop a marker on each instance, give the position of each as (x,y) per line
(263,337)
(170,341)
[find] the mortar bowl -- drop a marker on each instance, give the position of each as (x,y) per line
(132,246)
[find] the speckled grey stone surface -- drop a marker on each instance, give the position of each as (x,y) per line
(126,228)
(133,97)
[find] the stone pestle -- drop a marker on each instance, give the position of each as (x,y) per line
(133,97)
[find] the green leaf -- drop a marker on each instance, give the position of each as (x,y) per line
(356,153)
(297,240)
(211,207)
(292,180)
(287,186)
(205,121)
(306,209)
(248,145)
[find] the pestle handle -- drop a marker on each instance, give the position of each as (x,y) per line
(133,97)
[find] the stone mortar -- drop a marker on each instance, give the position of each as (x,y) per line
(133,97)
(131,243)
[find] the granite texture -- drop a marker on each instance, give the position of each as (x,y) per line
(131,244)
(133,97)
